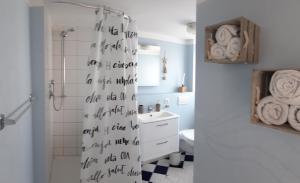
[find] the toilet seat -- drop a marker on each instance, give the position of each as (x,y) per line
(188,136)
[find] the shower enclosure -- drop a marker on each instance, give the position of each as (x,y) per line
(68,48)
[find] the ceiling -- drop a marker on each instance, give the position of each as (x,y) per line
(155,18)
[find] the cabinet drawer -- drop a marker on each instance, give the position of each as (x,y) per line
(158,148)
(159,130)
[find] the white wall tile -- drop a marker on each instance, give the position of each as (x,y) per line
(70,48)
(72,116)
(70,141)
(83,48)
(82,62)
(58,129)
(71,129)
(56,63)
(71,90)
(69,151)
(58,151)
(71,62)
(58,141)
(71,103)
(57,76)
(71,76)
(56,48)
(56,35)
(84,33)
(57,116)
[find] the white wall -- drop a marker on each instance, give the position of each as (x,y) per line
(15,141)
(228,148)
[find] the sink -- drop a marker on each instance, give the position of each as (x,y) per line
(156,116)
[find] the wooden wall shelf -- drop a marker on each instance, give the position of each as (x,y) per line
(260,89)
(249,34)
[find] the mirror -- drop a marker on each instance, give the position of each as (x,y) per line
(149,66)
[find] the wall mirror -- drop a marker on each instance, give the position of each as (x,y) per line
(149,65)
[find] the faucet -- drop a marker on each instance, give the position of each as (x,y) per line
(150,108)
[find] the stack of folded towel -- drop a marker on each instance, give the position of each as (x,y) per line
(284,104)
(228,43)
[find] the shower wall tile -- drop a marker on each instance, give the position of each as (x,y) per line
(56,76)
(56,64)
(83,48)
(71,47)
(82,62)
(68,122)
(71,128)
(84,33)
(58,141)
(58,129)
(71,62)
(72,116)
(70,141)
(71,103)
(72,76)
(58,151)
(69,151)
(56,35)
(57,116)
(71,90)
(56,47)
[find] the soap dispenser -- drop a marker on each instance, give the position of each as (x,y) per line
(157,106)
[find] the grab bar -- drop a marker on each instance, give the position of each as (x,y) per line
(5,119)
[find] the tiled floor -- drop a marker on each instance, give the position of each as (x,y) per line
(162,172)
(67,170)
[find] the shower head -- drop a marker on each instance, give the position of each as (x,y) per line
(64,33)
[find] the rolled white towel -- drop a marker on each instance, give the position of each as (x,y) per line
(233,48)
(225,33)
(294,117)
(272,112)
(285,86)
(217,51)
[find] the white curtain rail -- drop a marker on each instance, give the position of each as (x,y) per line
(6,119)
(106,8)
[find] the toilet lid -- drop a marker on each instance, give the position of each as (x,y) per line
(188,136)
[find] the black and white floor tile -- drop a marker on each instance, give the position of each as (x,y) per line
(162,171)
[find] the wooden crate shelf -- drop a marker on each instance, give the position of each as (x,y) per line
(260,89)
(249,34)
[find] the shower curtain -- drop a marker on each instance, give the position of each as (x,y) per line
(110,149)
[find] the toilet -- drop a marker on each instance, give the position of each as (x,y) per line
(187,140)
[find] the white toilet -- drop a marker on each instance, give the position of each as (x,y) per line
(187,140)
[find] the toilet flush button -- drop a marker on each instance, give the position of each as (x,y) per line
(183,100)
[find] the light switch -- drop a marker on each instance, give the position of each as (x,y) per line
(183,100)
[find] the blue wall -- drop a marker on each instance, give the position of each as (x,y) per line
(228,148)
(15,86)
(180,60)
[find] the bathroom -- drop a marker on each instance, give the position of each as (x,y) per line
(185,86)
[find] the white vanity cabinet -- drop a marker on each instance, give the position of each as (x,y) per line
(159,134)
